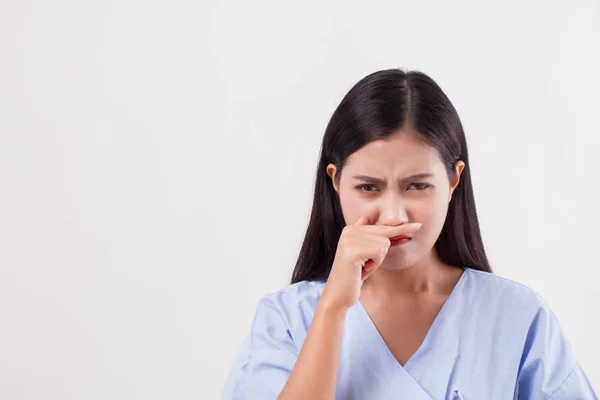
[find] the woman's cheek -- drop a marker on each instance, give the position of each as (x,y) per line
(360,209)
(436,212)
(427,212)
(353,208)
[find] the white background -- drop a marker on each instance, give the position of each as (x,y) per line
(157,162)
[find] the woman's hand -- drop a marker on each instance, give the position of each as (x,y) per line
(360,251)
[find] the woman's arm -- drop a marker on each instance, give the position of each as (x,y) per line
(360,251)
(549,369)
(315,374)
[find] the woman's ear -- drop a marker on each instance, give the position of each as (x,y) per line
(331,171)
(459,166)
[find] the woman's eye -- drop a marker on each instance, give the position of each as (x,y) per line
(419,186)
(365,188)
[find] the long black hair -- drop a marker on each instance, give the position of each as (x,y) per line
(376,107)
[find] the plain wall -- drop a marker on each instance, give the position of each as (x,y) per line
(157,162)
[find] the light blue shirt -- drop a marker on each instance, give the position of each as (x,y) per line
(492,339)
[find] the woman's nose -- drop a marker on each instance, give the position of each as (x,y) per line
(393,213)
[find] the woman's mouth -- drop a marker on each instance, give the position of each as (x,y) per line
(398,240)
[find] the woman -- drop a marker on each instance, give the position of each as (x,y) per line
(392,296)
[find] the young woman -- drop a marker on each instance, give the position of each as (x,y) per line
(392,296)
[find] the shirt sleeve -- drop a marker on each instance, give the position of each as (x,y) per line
(576,386)
(548,368)
(266,358)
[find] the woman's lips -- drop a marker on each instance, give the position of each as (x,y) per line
(400,237)
(398,240)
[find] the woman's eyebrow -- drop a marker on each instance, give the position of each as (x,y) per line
(370,179)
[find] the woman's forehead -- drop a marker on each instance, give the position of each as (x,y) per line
(397,153)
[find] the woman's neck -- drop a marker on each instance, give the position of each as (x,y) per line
(428,276)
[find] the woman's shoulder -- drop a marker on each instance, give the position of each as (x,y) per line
(300,295)
(302,288)
(514,317)
(500,284)
(493,291)
(294,293)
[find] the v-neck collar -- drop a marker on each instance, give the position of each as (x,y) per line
(435,326)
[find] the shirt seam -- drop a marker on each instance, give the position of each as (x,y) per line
(563,382)
(504,278)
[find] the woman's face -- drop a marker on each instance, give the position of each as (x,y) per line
(397,180)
